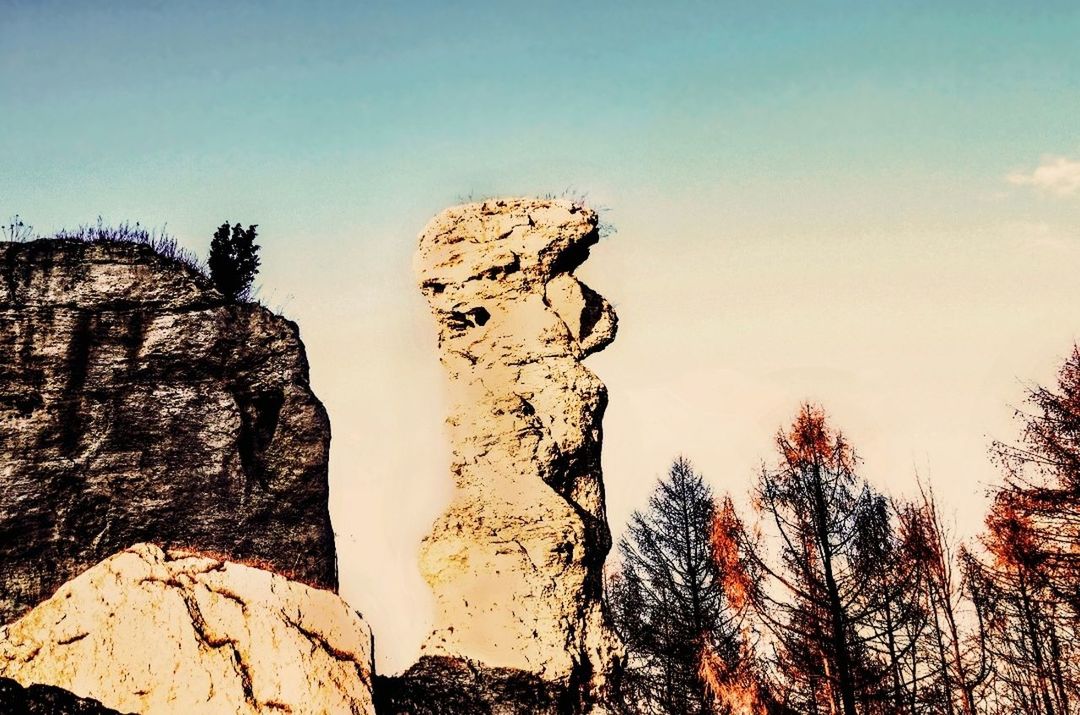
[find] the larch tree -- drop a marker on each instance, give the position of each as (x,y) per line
(1029,573)
(951,667)
(827,576)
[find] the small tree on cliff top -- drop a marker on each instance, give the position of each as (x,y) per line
(234,260)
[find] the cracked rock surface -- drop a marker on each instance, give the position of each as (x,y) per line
(137,405)
(150,632)
(516,561)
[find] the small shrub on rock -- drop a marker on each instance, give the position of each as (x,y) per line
(234,261)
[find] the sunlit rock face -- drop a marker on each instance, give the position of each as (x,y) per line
(150,632)
(515,562)
(136,404)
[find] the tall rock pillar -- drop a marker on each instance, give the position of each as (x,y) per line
(516,560)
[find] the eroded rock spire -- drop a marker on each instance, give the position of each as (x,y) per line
(516,560)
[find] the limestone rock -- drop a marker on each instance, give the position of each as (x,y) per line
(137,405)
(46,700)
(154,633)
(516,561)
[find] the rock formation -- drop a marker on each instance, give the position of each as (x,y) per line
(46,700)
(136,404)
(516,561)
(156,633)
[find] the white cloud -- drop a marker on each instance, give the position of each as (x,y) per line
(1056,174)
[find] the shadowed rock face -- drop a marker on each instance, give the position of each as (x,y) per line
(438,685)
(180,633)
(515,562)
(46,700)
(136,405)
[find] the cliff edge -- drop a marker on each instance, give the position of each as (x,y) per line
(136,404)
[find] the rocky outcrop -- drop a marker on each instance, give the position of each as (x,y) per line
(515,562)
(46,700)
(136,404)
(152,633)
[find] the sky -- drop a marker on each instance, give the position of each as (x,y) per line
(874,206)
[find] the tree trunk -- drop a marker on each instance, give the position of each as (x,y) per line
(836,607)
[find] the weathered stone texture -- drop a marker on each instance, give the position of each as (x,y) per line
(137,405)
(184,634)
(516,561)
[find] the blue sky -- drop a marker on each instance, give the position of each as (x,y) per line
(872,205)
(170,110)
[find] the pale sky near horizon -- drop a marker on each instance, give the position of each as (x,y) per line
(871,205)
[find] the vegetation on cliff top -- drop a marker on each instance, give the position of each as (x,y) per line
(232,265)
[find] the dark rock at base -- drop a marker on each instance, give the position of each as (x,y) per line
(438,685)
(46,700)
(138,405)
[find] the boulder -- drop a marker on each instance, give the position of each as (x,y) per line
(158,632)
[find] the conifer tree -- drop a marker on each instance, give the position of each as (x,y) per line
(668,600)
(234,261)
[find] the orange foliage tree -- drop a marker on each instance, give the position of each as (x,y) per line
(1029,578)
(826,575)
